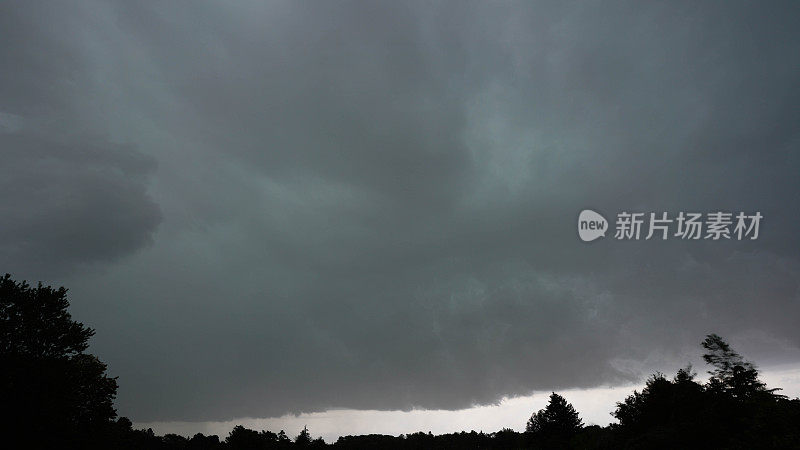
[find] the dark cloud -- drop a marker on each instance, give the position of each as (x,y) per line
(68,195)
(374,205)
(71,201)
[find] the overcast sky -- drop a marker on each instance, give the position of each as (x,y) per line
(276,207)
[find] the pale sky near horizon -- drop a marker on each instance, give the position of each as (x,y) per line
(267,208)
(593,405)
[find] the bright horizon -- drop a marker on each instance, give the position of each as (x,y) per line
(594,405)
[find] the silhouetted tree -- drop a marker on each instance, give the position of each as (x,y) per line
(731,373)
(202,442)
(52,391)
(304,438)
(174,441)
(244,439)
(733,410)
(557,417)
(557,423)
(283,440)
(662,408)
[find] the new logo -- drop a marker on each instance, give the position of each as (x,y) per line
(591,225)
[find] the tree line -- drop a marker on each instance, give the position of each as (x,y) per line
(55,395)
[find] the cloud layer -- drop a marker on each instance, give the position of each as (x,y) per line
(293,207)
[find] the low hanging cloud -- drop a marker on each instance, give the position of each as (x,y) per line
(71,202)
(373,205)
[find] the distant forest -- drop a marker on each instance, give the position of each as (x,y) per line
(54,395)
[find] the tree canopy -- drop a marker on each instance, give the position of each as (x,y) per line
(52,390)
(554,424)
(731,373)
(558,417)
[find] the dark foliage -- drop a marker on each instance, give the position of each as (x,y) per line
(733,410)
(55,395)
(52,392)
(555,424)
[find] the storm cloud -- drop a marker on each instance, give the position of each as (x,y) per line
(69,202)
(296,206)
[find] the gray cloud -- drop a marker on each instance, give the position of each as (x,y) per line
(373,205)
(71,201)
